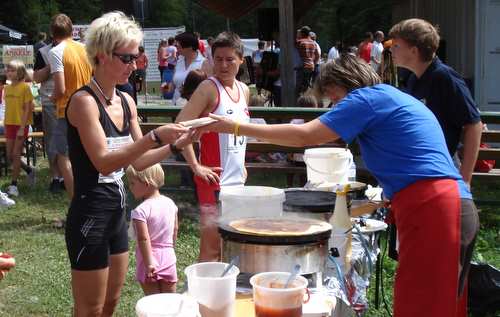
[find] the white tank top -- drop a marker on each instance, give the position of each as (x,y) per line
(222,149)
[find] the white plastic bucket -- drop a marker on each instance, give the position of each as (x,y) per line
(328,165)
(167,305)
(216,295)
(251,201)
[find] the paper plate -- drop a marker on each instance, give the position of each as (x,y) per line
(371,225)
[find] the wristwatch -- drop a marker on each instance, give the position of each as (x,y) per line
(174,150)
(154,136)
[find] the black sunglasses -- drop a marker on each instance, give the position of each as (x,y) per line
(126,58)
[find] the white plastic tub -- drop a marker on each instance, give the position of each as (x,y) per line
(329,165)
(251,201)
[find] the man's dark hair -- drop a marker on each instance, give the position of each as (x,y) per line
(304,31)
(42,36)
(187,39)
(228,39)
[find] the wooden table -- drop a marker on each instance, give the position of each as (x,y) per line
(244,306)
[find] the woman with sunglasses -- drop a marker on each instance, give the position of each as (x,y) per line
(103,138)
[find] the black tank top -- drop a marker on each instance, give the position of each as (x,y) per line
(92,189)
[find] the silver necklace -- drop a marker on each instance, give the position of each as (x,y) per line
(99,88)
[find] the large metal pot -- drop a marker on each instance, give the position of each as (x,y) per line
(275,253)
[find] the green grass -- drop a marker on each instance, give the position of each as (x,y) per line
(40,284)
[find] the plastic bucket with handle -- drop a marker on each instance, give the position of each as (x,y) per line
(327,165)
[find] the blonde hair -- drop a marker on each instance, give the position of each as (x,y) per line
(153,175)
(111,30)
(19,67)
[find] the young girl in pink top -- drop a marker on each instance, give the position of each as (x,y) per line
(155,223)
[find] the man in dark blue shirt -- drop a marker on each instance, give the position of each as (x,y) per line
(439,87)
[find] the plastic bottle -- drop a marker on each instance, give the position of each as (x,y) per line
(351,175)
(341,234)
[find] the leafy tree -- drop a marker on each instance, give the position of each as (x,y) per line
(164,13)
(81,12)
(347,21)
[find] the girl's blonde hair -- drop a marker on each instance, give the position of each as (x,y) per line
(152,176)
(110,31)
(19,67)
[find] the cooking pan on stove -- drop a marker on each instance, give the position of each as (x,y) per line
(318,201)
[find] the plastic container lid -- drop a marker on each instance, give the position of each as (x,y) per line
(326,152)
(252,192)
(167,305)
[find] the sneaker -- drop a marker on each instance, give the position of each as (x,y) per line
(5,201)
(54,186)
(61,185)
(12,190)
(32,177)
(59,223)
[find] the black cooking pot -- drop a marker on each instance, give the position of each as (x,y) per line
(316,201)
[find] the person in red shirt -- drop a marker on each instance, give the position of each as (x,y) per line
(140,73)
(365,47)
(201,45)
(309,55)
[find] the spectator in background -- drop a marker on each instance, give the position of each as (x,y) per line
(43,76)
(70,70)
(168,73)
(257,54)
(161,57)
(439,87)
(256,59)
(309,55)
(201,45)
(352,50)
(316,63)
(139,74)
(42,37)
(189,59)
(81,35)
(209,56)
(388,71)
(3,82)
(376,52)
(5,201)
(365,47)
(18,116)
(171,54)
(334,52)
